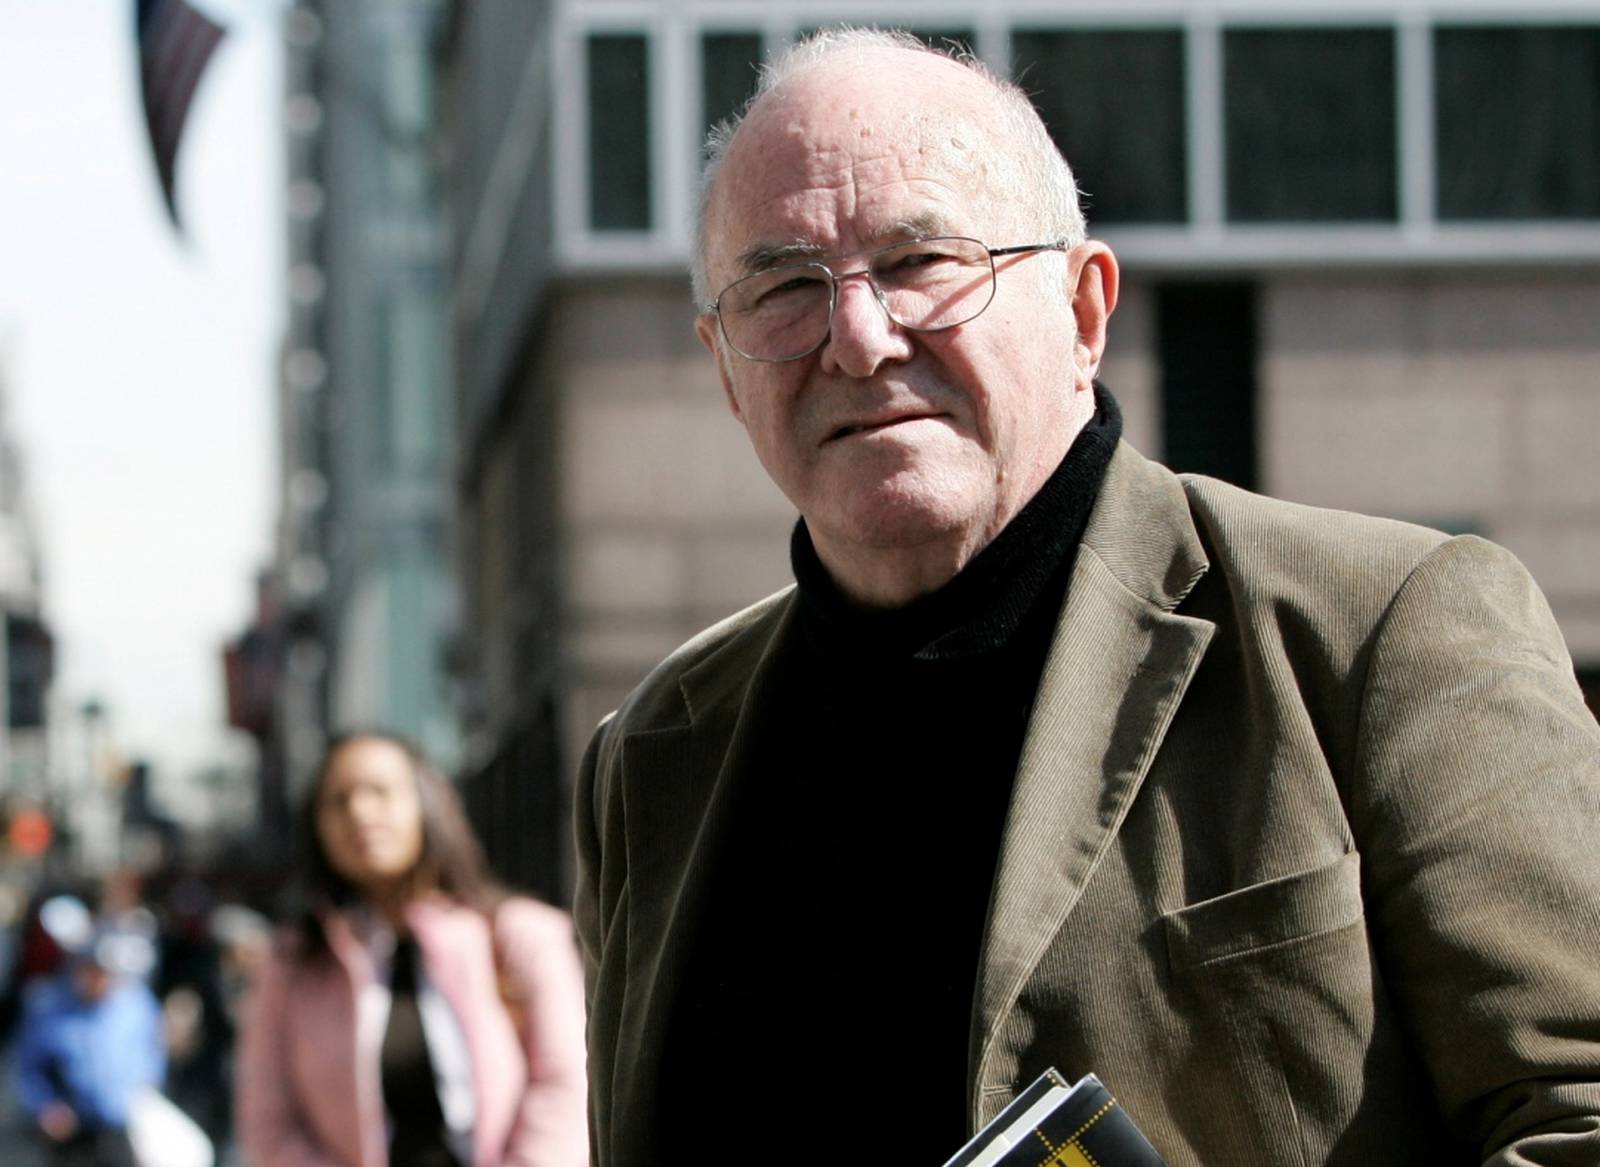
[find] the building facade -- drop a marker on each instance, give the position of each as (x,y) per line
(361,595)
(27,645)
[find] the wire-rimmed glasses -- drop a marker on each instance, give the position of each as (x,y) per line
(785,313)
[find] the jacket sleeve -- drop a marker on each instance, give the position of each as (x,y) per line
(147,1052)
(586,907)
(538,952)
(271,1128)
(29,1057)
(588,913)
(1477,803)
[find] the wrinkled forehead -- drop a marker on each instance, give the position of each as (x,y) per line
(856,151)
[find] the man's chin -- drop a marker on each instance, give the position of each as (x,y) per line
(893,519)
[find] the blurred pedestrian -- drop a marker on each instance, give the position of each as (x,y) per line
(417,1015)
(90,1041)
(55,923)
(124,920)
(200,1032)
(244,942)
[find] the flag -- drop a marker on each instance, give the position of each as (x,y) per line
(175,44)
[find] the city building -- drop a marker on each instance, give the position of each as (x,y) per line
(358,615)
(35,784)
(27,646)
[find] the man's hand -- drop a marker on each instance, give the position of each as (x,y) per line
(58,1122)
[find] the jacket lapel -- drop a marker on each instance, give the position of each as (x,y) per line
(455,941)
(353,1102)
(1115,674)
(677,786)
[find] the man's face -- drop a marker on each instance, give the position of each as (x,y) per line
(889,440)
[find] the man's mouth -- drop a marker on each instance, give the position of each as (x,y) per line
(864,427)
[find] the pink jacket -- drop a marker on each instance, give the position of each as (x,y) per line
(306,1100)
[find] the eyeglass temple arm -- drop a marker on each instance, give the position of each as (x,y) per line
(1056,245)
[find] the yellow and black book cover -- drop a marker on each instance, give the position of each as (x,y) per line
(1052,1124)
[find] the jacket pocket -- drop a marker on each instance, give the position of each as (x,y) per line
(1265,915)
(1281,971)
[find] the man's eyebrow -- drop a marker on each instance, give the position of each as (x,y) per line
(763,256)
(922,225)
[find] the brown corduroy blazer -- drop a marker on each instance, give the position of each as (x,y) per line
(1302,858)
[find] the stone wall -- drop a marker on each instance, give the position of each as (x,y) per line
(1465,401)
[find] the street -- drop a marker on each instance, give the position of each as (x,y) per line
(18,1148)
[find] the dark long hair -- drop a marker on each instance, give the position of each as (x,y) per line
(452,862)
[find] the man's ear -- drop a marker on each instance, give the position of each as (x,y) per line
(705,327)
(1092,281)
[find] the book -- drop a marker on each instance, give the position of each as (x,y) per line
(1052,1124)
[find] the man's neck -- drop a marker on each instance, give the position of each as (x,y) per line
(891,577)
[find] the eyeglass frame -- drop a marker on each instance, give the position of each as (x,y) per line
(835,278)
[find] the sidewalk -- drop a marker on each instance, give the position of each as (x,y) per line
(18,1147)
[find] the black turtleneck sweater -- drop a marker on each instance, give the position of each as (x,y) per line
(835,964)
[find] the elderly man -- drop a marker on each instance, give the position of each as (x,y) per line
(1282,821)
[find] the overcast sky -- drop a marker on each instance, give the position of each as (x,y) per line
(139,368)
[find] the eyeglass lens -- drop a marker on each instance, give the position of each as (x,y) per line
(926,284)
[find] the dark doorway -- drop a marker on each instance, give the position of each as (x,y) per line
(1207,339)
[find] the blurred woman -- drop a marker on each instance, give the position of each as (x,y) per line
(417,1016)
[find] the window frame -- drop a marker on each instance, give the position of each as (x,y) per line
(1207,240)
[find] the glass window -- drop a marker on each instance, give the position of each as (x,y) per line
(408,116)
(1114,102)
(1518,122)
(619,132)
(1310,124)
(410,410)
(728,63)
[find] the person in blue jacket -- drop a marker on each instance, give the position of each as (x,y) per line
(90,1041)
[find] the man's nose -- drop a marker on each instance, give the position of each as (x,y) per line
(862,336)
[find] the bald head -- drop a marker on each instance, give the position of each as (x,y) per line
(1007,144)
